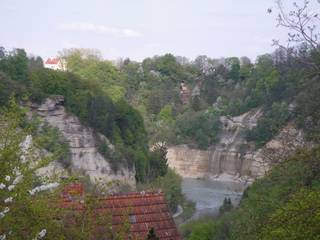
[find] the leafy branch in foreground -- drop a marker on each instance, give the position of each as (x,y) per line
(21,216)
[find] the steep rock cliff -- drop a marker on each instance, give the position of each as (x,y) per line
(85,157)
(232,155)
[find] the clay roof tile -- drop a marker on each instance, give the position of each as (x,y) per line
(143,211)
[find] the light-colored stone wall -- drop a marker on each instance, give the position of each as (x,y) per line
(232,155)
(85,157)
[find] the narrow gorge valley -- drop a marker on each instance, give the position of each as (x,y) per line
(231,162)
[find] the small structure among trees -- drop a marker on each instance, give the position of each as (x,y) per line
(55,63)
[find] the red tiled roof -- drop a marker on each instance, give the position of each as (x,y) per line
(52,61)
(142,211)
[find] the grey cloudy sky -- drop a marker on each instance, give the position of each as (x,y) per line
(141,28)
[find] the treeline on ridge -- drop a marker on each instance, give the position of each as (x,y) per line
(27,79)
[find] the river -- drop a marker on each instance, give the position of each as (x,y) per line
(209,194)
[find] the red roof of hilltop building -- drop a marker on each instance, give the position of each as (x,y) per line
(52,61)
(140,211)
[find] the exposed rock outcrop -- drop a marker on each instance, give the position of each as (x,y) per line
(83,145)
(232,155)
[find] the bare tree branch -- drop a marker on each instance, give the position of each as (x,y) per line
(303,24)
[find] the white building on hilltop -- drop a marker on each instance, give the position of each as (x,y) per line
(55,63)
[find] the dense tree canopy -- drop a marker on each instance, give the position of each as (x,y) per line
(86,95)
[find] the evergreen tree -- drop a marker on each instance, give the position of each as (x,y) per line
(152,235)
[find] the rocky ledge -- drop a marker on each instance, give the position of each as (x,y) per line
(85,157)
(232,156)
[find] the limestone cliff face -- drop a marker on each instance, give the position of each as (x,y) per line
(232,155)
(83,145)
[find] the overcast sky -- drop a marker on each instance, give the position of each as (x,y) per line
(141,28)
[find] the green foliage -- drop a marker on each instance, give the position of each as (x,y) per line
(131,130)
(118,121)
(166,114)
(166,65)
(270,124)
(11,118)
(157,94)
(202,231)
(82,98)
(272,208)
(14,70)
(130,124)
(170,184)
(226,206)
(158,162)
(35,63)
(8,88)
(205,228)
(152,235)
(89,65)
(104,149)
(26,216)
(245,68)
(15,64)
(308,109)
(202,126)
(211,88)
(153,87)
(298,219)
(196,103)
(234,65)
(141,163)
(55,83)
(51,139)
(134,75)
(274,191)
(282,205)
(90,102)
